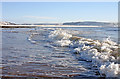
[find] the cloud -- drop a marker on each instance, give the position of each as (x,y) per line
(39,17)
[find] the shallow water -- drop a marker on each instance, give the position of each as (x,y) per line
(38,52)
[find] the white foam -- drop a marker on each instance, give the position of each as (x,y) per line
(100,53)
(61,36)
(110,70)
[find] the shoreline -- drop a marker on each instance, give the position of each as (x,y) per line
(33,26)
(16,26)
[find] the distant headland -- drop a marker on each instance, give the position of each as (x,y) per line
(66,24)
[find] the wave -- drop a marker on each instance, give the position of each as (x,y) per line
(104,54)
(31,36)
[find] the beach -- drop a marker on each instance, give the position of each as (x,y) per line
(33,26)
(59,40)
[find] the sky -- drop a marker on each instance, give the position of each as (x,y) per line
(59,12)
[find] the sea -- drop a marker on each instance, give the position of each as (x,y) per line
(60,52)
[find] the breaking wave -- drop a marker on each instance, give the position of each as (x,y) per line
(104,54)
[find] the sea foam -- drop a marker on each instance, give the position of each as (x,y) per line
(101,53)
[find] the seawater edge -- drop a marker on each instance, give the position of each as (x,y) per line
(33,26)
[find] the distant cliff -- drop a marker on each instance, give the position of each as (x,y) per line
(90,23)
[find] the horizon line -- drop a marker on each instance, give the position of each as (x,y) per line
(61,22)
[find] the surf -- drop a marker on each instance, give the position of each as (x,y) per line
(103,54)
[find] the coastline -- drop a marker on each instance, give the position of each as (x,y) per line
(33,26)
